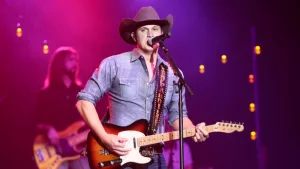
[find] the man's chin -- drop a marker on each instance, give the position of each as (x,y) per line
(149,49)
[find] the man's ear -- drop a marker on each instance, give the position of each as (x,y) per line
(133,36)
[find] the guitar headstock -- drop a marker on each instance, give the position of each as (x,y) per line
(228,127)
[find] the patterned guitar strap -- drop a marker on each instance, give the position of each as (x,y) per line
(159,98)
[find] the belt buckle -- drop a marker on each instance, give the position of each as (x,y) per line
(151,151)
(145,151)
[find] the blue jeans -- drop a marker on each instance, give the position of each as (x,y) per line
(158,162)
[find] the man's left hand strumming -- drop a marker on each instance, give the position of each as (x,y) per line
(201,133)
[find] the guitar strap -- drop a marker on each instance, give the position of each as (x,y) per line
(159,98)
(105,118)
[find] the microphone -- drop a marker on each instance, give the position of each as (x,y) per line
(158,39)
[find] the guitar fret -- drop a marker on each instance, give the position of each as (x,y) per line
(209,128)
(168,137)
(140,142)
(172,135)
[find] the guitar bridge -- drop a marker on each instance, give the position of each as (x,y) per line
(109,163)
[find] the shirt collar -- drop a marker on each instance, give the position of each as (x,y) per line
(135,54)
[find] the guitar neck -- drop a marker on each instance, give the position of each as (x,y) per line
(169,136)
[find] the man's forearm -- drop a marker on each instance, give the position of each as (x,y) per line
(89,114)
(187,123)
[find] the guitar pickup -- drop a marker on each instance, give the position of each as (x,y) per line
(104,152)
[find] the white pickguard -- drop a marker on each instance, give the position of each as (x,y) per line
(134,154)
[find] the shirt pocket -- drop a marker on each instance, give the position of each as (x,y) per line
(128,88)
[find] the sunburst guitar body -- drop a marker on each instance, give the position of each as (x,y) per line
(101,158)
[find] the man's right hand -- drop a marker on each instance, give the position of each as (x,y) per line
(115,144)
(53,136)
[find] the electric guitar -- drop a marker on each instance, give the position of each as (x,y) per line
(48,156)
(100,157)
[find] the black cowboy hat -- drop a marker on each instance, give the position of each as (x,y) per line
(145,16)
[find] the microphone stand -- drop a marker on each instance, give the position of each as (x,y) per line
(180,83)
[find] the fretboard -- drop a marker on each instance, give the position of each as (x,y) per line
(164,137)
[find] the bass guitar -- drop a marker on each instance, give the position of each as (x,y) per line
(48,156)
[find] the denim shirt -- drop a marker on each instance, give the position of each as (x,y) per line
(130,94)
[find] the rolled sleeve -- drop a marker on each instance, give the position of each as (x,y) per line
(99,83)
(173,106)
